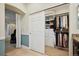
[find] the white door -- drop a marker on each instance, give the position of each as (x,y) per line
(18,31)
(37,32)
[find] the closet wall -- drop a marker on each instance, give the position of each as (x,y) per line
(49,33)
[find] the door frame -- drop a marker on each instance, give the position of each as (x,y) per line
(18,30)
(18,44)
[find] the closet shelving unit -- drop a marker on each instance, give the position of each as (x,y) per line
(51,23)
(62,33)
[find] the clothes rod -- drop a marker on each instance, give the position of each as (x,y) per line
(61,14)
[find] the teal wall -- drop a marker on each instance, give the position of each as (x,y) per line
(25,40)
(2,47)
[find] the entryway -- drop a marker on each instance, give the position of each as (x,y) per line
(57,31)
(12,29)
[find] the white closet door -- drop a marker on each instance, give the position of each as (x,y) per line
(37,32)
(18,31)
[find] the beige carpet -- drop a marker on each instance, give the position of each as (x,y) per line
(12,51)
(55,51)
(22,52)
(27,52)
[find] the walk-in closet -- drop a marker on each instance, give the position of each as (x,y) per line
(57,30)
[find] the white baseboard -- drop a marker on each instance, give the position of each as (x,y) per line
(25,47)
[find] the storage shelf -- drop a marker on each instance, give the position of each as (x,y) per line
(49,22)
(63,31)
(56,22)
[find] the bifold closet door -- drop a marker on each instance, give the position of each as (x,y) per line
(37,32)
(18,31)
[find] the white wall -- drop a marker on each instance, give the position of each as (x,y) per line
(2,21)
(73,25)
(25,22)
(35,7)
(25,25)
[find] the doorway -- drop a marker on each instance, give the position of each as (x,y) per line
(56,40)
(57,31)
(10,30)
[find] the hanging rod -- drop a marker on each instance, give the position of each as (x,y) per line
(61,14)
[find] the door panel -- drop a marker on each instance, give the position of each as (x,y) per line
(37,34)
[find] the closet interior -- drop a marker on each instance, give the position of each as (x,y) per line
(57,30)
(62,30)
